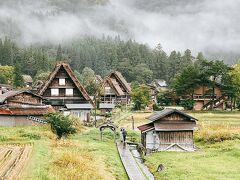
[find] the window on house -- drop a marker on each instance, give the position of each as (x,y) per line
(62,82)
(69,92)
(107,90)
(55,92)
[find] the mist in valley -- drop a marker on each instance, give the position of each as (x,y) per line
(208,26)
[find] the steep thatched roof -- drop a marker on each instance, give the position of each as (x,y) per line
(121,79)
(9,94)
(69,71)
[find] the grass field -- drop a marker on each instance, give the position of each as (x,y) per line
(218,156)
(82,156)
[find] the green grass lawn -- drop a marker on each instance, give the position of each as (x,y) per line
(216,161)
(218,156)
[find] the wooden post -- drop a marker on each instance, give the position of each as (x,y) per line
(115,136)
(132,123)
(95,113)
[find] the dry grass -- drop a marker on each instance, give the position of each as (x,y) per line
(212,133)
(139,119)
(74,161)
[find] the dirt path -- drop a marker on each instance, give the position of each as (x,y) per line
(13,158)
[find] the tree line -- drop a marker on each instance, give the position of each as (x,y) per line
(136,61)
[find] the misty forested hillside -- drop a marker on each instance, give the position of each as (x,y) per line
(136,61)
(206,26)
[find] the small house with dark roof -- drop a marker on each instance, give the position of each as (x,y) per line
(19,108)
(116,89)
(168,130)
(16,97)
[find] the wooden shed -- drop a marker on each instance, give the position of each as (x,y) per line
(169,130)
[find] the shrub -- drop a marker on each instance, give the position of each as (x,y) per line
(62,125)
(188,104)
(157,108)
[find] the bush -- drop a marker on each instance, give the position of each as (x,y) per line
(188,104)
(157,108)
(62,125)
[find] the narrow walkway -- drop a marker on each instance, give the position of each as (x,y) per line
(131,166)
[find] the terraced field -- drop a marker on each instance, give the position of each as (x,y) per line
(13,158)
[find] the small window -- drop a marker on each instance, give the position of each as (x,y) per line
(62,82)
(69,92)
(55,92)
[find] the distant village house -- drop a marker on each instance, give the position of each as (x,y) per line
(20,108)
(168,130)
(116,89)
(203,98)
(64,92)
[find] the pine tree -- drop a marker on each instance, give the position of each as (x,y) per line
(18,79)
(59,56)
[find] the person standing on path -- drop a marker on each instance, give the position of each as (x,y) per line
(121,135)
(124,133)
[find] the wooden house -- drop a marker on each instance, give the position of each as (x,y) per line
(203,98)
(63,88)
(168,130)
(160,84)
(116,89)
(19,108)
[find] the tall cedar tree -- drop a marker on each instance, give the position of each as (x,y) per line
(18,79)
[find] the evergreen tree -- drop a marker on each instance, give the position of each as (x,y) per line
(59,56)
(186,59)
(18,79)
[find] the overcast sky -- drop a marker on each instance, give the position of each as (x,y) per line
(206,25)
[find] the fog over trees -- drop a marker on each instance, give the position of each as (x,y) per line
(207,26)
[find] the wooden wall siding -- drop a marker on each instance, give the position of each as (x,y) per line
(183,138)
(24,98)
(16,121)
(143,139)
(68,84)
(201,90)
(198,105)
(174,117)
